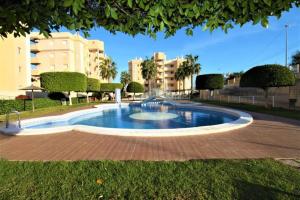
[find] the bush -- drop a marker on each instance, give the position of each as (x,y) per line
(23,105)
(64,81)
(93,85)
(266,76)
(135,87)
(209,82)
(110,87)
(56,96)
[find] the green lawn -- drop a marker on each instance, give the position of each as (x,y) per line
(207,179)
(292,114)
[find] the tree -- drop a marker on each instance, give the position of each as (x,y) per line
(295,60)
(133,17)
(135,87)
(180,75)
(266,76)
(210,82)
(191,67)
(108,69)
(93,85)
(149,71)
(125,78)
(64,82)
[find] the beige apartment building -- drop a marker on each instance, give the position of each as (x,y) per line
(66,52)
(15,69)
(24,58)
(166,69)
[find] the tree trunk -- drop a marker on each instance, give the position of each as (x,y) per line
(191,87)
(149,87)
(87,98)
(133,96)
(183,86)
(70,99)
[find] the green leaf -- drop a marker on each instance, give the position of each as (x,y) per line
(113,13)
(161,26)
(68,3)
(129,3)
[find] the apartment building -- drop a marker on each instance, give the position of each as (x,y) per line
(15,69)
(166,69)
(135,70)
(65,51)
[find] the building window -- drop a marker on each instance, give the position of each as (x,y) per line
(20,68)
(64,42)
(19,50)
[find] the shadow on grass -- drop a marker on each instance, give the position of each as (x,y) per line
(247,190)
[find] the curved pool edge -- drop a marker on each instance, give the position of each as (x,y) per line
(244,120)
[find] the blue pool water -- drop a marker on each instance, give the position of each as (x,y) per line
(146,117)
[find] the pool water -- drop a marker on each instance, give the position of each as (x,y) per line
(146,117)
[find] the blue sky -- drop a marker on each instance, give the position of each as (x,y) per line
(239,49)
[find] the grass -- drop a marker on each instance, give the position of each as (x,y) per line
(48,111)
(292,114)
(206,179)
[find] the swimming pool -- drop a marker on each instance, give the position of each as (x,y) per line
(162,119)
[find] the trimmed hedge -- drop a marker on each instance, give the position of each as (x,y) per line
(209,82)
(93,85)
(135,87)
(23,105)
(265,76)
(64,81)
(110,87)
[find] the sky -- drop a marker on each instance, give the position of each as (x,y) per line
(238,50)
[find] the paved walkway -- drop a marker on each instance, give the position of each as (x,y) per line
(267,137)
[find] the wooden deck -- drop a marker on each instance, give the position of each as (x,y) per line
(267,137)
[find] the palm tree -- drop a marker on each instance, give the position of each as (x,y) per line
(108,69)
(149,71)
(180,75)
(191,67)
(125,78)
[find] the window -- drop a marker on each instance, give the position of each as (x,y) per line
(19,50)
(20,68)
(64,42)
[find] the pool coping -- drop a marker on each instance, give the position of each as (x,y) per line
(244,120)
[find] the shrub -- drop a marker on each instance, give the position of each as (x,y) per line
(93,85)
(23,105)
(135,87)
(64,81)
(56,96)
(110,87)
(209,82)
(266,76)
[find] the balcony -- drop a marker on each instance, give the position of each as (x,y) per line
(35,61)
(34,48)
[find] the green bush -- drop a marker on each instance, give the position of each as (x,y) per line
(209,82)
(23,105)
(110,87)
(135,87)
(93,85)
(266,76)
(64,81)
